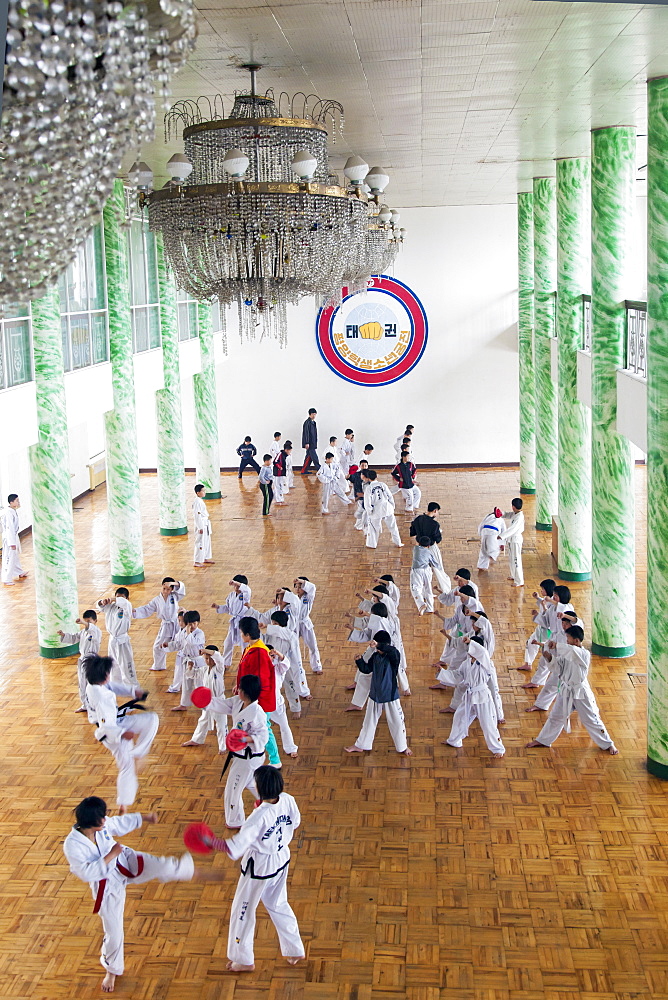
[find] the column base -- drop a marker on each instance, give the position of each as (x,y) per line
(125,581)
(213,496)
(658,770)
(527,491)
(564,574)
(543,527)
(612,652)
(173,531)
(57,652)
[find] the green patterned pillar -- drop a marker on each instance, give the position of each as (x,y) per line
(545,285)
(573,281)
(51,491)
(171,467)
(613,170)
(124,514)
(206,408)
(657,427)
(525,342)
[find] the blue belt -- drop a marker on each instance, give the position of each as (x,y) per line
(492,527)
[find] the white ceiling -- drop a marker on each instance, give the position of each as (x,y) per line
(462,102)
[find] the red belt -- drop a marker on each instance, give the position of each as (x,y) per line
(102,884)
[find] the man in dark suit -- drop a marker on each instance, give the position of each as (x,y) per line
(310,442)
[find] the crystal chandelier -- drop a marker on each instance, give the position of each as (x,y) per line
(80,83)
(252,214)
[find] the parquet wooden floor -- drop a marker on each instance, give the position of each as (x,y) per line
(449,876)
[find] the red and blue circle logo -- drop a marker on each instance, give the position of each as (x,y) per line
(374,337)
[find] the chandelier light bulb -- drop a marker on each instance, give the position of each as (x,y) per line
(356,169)
(384,215)
(377,179)
(140,174)
(179,167)
(235,163)
(394,216)
(304,164)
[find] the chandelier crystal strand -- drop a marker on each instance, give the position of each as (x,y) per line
(259,220)
(80,85)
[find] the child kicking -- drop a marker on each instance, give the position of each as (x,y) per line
(382,661)
(262,843)
(117,731)
(89,640)
(95,857)
(571,664)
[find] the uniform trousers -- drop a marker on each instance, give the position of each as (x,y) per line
(280,716)
(485,713)
(395,721)
(203,545)
(589,714)
(273,893)
(307,633)
(412,497)
(166,633)
(126,752)
(207,722)
(374,529)
(123,671)
(532,646)
(81,677)
(11,563)
(515,561)
(421,588)
(330,489)
(240,775)
(113,902)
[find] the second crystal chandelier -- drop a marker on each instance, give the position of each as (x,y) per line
(253,216)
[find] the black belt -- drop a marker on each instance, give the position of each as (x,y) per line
(242,756)
(122,710)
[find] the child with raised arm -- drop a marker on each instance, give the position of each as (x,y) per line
(117,730)
(89,640)
(570,661)
(549,620)
(202,527)
(512,537)
(540,634)
(117,617)
(382,661)
(305,591)
(214,680)
(234,606)
(188,644)
(165,606)
(95,857)
(262,843)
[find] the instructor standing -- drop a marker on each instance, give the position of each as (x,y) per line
(310,442)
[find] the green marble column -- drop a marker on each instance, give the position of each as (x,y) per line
(51,492)
(206,408)
(573,281)
(545,285)
(657,427)
(123,502)
(613,170)
(525,342)
(171,466)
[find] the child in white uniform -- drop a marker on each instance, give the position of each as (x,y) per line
(117,617)
(165,606)
(117,733)
(251,718)
(262,843)
(234,606)
(477,701)
(279,715)
(305,591)
(330,476)
(11,542)
(512,536)
(489,531)
(379,508)
(539,634)
(89,640)
(108,866)
(202,525)
(214,679)
(347,452)
(188,644)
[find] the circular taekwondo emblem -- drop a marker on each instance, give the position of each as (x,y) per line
(374,337)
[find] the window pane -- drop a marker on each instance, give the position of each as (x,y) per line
(80,335)
(75,277)
(100,340)
(140,328)
(215,315)
(17,344)
(62,290)
(95,269)
(192,309)
(138,265)
(67,361)
(14,310)
(184,325)
(151,266)
(154,326)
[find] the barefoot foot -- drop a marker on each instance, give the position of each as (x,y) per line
(535,708)
(179,708)
(77,710)
(530,684)
(108,983)
(353,708)
(437,687)
(535,743)
(350,687)
(235,967)
(407,752)
(353,749)
(447,711)
(191,743)
(613,750)
(525,666)
(293,960)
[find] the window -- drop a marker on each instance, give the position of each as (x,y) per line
(15,346)
(83,306)
(144,297)
(186,312)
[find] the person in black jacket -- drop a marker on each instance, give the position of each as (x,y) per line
(382,661)
(310,442)
(426,524)
(247,452)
